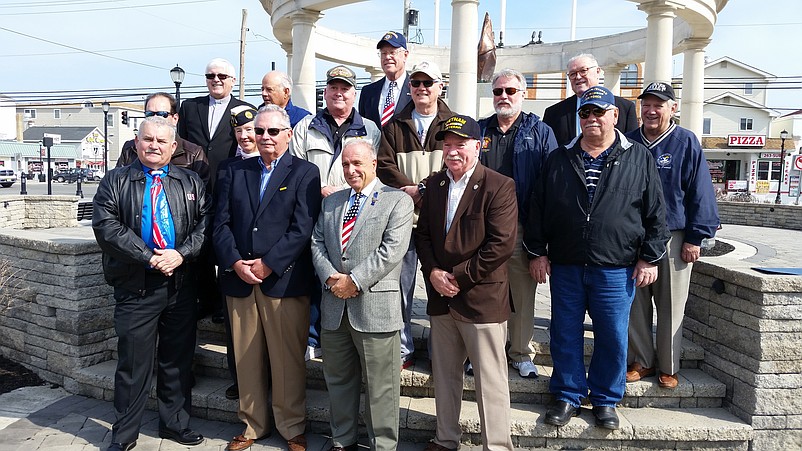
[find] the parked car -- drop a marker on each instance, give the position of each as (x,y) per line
(71,175)
(7,177)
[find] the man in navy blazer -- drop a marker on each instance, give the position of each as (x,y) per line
(584,73)
(374,103)
(267,208)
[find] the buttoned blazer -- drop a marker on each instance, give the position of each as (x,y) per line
(193,125)
(370,97)
(276,229)
(475,249)
(377,244)
(561,117)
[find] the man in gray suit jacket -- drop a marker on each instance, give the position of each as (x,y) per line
(357,247)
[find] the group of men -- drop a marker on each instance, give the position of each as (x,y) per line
(320,220)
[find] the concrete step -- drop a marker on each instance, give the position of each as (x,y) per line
(650,427)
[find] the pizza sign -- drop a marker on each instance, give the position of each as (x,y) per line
(746,140)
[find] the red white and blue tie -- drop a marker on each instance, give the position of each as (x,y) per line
(349,219)
(159,209)
(389,104)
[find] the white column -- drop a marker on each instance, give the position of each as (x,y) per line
(375,73)
(288,50)
(464,40)
(693,85)
(612,78)
(436,22)
(660,16)
(303,64)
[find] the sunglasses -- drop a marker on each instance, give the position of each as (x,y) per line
(221,77)
(425,83)
(584,113)
(164,114)
(510,91)
(270,131)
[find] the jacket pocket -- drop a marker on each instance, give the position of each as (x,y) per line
(385,286)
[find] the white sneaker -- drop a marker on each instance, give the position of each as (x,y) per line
(526,368)
(312,353)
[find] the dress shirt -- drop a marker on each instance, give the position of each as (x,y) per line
(217,109)
(399,84)
(455,191)
(266,173)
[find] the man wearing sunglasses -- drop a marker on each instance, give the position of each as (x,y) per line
(384,99)
(597,227)
(187,155)
(584,73)
(516,144)
(692,216)
(266,209)
(408,155)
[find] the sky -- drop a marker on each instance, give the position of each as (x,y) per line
(125,46)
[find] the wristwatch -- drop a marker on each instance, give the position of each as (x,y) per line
(421,188)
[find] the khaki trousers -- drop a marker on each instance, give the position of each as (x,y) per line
(453,341)
(262,325)
(522,287)
(670,294)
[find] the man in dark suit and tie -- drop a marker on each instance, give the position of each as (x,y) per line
(267,207)
(584,73)
(466,233)
(357,247)
(383,99)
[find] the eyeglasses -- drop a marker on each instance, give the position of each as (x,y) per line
(164,114)
(392,53)
(579,73)
(221,77)
(584,113)
(510,91)
(270,131)
(425,83)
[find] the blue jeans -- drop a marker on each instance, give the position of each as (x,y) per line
(606,293)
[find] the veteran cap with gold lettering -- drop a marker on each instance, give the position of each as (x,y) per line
(460,125)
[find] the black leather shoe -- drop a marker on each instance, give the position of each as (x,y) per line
(606,417)
(232,392)
(121,446)
(186,437)
(560,413)
(353,447)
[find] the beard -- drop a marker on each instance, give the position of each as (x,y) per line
(506,111)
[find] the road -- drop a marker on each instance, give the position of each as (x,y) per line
(40,188)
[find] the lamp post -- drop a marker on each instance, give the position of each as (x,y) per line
(783,137)
(177,74)
(105,106)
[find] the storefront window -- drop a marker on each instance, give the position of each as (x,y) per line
(768,170)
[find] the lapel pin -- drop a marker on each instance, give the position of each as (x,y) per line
(375,198)
(282,188)
(476,187)
(442,183)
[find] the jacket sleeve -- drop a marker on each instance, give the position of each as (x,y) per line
(501,227)
(423,238)
(200,165)
(321,259)
(113,236)
(701,210)
(653,216)
(298,141)
(225,246)
(182,121)
(200,221)
(534,237)
(388,170)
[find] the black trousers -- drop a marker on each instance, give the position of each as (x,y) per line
(158,324)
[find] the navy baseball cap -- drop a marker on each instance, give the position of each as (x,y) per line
(393,38)
(660,90)
(597,96)
(464,126)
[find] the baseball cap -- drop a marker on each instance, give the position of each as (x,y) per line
(597,96)
(341,73)
(460,125)
(659,89)
(393,38)
(241,115)
(430,69)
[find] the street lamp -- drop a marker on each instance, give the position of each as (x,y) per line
(177,74)
(783,137)
(105,106)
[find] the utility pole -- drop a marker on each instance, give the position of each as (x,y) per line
(406,18)
(243,29)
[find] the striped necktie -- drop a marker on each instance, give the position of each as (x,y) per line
(349,219)
(389,104)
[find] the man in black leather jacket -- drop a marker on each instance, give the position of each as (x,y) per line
(146,261)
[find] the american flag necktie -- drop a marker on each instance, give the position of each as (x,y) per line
(158,206)
(389,104)
(349,219)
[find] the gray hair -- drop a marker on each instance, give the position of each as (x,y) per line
(364,143)
(587,56)
(509,73)
(284,118)
(222,64)
(158,122)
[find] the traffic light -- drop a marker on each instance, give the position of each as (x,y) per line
(125,117)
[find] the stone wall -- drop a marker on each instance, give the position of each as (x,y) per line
(750,326)
(55,308)
(38,212)
(761,215)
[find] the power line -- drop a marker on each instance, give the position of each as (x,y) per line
(112,8)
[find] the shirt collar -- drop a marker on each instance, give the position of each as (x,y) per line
(223,101)
(273,165)
(164,170)
(368,188)
(467,176)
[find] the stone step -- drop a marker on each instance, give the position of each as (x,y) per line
(651,427)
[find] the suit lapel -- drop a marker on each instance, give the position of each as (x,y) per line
(224,121)
(203,115)
(336,224)
(253,178)
(404,98)
(280,173)
(439,193)
(571,116)
(471,189)
(369,209)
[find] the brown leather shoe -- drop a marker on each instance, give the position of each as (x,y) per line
(636,372)
(297,443)
(669,381)
(239,442)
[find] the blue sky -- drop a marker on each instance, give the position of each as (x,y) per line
(117,44)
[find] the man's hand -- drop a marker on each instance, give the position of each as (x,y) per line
(326,190)
(690,252)
(166,260)
(244,269)
(344,287)
(644,274)
(260,270)
(539,268)
(444,283)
